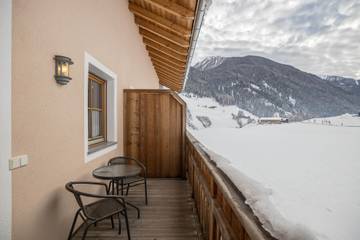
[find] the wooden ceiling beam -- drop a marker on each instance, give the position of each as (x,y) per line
(167,64)
(172,87)
(166,61)
(169,73)
(174,84)
(169,81)
(166,55)
(167,52)
(166,58)
(162,41)
(176,71)
(173,79)
(158,45)
(169,70)
(180,41)
(170,84)
(157,19)
(173,7)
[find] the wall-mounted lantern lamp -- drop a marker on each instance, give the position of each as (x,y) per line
(62,69)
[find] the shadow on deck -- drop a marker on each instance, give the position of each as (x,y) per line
(170,214)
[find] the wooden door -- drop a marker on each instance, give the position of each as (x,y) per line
(154,129)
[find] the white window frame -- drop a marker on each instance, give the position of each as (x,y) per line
(5,120)
(96,67)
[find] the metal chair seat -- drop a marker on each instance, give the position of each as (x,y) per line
(104,208)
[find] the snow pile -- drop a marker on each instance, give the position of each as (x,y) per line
(258,198)
(301,180)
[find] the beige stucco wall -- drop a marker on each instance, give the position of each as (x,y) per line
(48,118)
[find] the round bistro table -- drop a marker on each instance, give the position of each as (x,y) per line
(117,173)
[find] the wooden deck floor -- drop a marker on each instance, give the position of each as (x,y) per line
(170,214)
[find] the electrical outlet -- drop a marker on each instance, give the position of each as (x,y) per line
(18,161)
(24,160)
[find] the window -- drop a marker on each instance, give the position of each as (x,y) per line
(96,110)
(100,109)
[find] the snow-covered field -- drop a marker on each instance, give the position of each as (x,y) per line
(301,179)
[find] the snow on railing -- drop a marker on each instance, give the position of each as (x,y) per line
(221,207)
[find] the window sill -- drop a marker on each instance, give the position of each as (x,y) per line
(100,150)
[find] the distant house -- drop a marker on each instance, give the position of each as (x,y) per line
(273,120)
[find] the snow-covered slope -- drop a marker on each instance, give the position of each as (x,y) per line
(340,80)
(301,179)
(207,113)
(209,62)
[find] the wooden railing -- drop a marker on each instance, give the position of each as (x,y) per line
(222,211)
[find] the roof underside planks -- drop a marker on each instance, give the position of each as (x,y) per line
(167,30)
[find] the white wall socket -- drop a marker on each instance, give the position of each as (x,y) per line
(18,161)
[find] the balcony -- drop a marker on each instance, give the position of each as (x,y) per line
(205,206)
(192,199)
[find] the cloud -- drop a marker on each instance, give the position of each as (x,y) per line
(321,37)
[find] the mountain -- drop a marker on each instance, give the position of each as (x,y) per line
(348,84)
(265,87)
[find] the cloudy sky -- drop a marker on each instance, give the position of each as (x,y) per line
(321,37)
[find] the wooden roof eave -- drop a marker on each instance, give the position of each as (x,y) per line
(167,29)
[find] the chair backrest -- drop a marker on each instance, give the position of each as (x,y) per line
(71,187)
(126,160)
(120,160)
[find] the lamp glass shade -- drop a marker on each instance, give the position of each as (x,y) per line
(64,69)
(58,69)
(62,75)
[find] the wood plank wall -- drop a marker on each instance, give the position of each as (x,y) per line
(154,131)
(222,211)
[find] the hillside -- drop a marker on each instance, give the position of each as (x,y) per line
(264,87)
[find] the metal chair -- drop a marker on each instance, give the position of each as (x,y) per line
(107,207)
(131,181)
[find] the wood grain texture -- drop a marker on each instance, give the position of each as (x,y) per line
(160,20)
(155,131)
(170,215)
(162,41)
(167,28)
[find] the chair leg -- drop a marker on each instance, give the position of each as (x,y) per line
(122,186)
(136,208)
(112,222)
(146,195)
(85,232)
(73,224)
(119,218)
(117,187)
(113,188)
(127,189)
(127,224)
